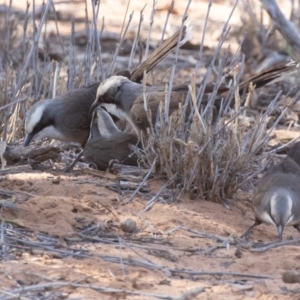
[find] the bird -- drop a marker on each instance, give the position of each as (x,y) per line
(118,95)
(276,199)
(125,99)
(64,118)
(67,117)
(107,143)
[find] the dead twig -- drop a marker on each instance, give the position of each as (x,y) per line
(13,293)
(260,247)
(282,24)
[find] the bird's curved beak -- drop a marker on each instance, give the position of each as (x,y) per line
(93,107)
(28,139)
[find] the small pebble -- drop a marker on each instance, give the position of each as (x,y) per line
(128,225)
(56,180)
(291,277)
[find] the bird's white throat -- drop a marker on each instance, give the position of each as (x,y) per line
(119,113)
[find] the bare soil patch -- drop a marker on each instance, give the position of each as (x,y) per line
(66,242)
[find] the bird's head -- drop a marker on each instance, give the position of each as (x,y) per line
(40,122)
(108,91)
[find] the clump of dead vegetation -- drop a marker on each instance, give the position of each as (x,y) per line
(216,151)
(221,148)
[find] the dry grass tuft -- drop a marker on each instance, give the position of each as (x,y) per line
(211,155)
(218,154)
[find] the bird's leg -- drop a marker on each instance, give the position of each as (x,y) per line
(71,166)
(246,234)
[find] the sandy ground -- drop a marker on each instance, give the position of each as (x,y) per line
(77,202)
(179,246)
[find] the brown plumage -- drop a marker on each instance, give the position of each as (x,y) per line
(125,99)
(138,114)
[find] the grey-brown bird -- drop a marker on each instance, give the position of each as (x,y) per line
(108,143)
(277,196)
(67,117)
(119,95)
(125,99)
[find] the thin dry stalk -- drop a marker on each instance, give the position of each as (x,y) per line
(217,152)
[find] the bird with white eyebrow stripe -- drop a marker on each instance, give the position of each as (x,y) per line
(67,117)
(125,99)
(277,196)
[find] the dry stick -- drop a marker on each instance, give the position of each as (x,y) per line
(2,239)
(121,258)
(8,37)
(31,52)
(266,136)
(254,174)
(100,39)
(275,245)
(131,248)
(257,276)
(201,90)
(152,200)
(201,234)
(61,284)
(184,17)
(55,79)
(171,7)
(190,294)
(97,41)
(154,2)
(122,28)
(256,137)
(112,65)
(34,58)
(224,34)
(199,58)
(136,262)
(143,181)
(133,48)
(71,60)
(213,136)
(74,162)
(283,146)
(184,271)
(87,56)
(9,194)
(45,247)
(283,25)
(214,248)
(57,30)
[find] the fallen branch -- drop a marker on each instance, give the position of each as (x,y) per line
(282,24)
(11,294)
(264,247)
(21,155)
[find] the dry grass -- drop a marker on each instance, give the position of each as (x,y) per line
(211,155)
(217,151)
